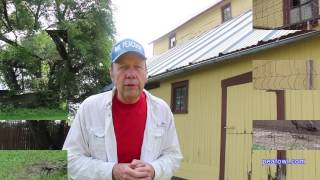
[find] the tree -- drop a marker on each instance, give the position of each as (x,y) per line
(61,46)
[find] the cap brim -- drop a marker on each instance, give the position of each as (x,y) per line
(135,52)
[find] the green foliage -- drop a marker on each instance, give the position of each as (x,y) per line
(259,147)
(30,59)
(295,146)
(9,112)
(7,108)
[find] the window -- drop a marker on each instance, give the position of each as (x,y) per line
(179,97)
(172,41)
(226,12)
(152,85)
(299,12)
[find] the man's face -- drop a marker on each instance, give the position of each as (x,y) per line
(128,74)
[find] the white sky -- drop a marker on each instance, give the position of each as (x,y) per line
(147,20)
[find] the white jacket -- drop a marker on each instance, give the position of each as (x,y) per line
(91,143)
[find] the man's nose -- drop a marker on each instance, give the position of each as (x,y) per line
(130,74)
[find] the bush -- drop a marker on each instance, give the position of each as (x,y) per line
(7,108)
(48,99)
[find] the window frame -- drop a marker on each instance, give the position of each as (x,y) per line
(223,9)
(175,86)
(302,24)
(171,36)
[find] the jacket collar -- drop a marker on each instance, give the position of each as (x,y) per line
(109,97)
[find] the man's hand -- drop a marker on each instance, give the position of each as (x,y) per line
(141,166)
(136,170)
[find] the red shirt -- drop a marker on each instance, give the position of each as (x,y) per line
(129,122)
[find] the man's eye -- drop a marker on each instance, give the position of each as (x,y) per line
(139,67)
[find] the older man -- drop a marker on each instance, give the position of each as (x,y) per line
(126,133)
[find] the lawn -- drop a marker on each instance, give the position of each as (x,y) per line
(33,165)
(259,147)
(40,113)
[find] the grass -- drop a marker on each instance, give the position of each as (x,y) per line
(259,147)
(295,146)
(40,113)
(26,164)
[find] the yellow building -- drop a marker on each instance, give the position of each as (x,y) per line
(286,14)
(204,21)
(207,81)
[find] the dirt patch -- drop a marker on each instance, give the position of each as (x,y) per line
(272,139)
(43,168)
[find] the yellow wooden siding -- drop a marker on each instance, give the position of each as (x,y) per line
(197,148)
(267,14)
(199,130)
(244,104)
(303,105)
(161,45)
(259,170)
(239,7)
(201,23)
(308,170)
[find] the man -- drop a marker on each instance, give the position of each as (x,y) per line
(126,133)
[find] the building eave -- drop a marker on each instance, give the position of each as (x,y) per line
(294,37)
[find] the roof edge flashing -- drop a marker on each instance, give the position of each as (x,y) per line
(232,55)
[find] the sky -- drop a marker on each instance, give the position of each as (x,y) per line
(147,20)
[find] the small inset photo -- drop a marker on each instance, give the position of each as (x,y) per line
(42,105)
(286,74)
(286,135)
(32,134)
(33,164)
(286,14)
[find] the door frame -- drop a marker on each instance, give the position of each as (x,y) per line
(238,80)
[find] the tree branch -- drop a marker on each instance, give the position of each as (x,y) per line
(36,17)
(59,37)
(65,10)
(8,41)
(5,24)
(35,14)
(5,13)
(15,44)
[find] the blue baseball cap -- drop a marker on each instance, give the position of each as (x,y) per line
(125,46)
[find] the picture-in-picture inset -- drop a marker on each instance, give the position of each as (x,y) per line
(286,135)
(286,14)
(32,134)
(33,164)
(286,74)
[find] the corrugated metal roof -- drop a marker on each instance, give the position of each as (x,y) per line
(215,3)
(231,36)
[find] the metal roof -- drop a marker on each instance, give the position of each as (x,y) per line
(232,36)
(215,3)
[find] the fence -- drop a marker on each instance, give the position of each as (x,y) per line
(20,135)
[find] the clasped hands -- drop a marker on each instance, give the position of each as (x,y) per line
(136,170)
